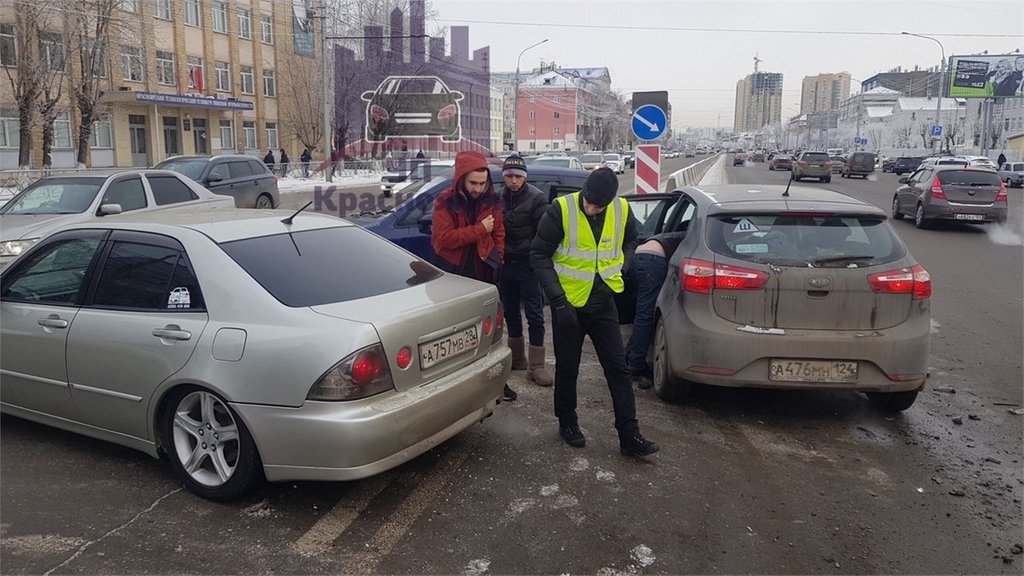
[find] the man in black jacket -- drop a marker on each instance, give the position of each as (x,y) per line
(524,205)
(581,246)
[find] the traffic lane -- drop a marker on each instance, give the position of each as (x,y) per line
(747,480)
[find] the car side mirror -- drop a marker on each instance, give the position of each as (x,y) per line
(215,177)
(904,179)
(110,209)
(425,222)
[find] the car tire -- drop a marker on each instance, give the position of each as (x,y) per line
(191,415)
(893,401)
(666,386)
(770,167)
(919,219)
(827,179)
(896,214)
(264,202)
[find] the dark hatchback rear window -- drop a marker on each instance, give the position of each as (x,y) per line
(328,265)
(822,157)
(805,240)
(969,178)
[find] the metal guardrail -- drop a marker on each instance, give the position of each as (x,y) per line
(691,175)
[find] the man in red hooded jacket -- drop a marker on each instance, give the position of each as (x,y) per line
(468,229)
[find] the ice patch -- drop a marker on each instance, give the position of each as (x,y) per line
(477,567)
(549,490)
(605,475)
(643,555)
(39,544)
(520,505)
(935,326)
(565,501)
(1003,235)
(579,464)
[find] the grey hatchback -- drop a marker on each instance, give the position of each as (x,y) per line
(246,179)
(811,290)
(951,192)
(812,165)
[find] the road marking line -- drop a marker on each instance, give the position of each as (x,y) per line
(319,538)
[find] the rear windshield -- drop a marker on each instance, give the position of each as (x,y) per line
(968,178)
(591,158)
(328,265)
(805,240)
(816,157)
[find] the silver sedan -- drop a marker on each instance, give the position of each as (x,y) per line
(247,345)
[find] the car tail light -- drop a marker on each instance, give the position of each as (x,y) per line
(446,113)
(914,280)
(378,114)
(937,191)
(499,325)
(358,375)
(1001,197)
(404,357)
(701,277)
(488,324)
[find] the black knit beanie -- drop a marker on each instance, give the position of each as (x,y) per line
(601,186)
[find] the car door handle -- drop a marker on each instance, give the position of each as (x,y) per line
(172,332)
(53,321)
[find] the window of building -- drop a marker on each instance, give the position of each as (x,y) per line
(62,130)
(272,135)
(248,80)
(94,57)
(227,134)
(100,136)
(558,99)
(557,116)
(196,79)
(244,24)
(220,17)
(533,131)
(165,69)
(162,9)
(8,45)
(192,14)
(51,52)
(557,130)
(131,64)
(533,99)
(533,115)
(266,29)
(533,145)
(128,5)
(9,132)
(249,132)
(223,70)
(269,83)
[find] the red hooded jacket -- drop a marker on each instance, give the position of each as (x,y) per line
(453,232)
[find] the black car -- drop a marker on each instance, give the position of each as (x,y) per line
(245,178)
(629,158)
(906,164)
(412,106)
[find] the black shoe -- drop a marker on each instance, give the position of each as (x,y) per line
(509,395)
(572,435)
(636,445)
(642,381)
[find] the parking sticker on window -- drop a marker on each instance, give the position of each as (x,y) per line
(179,298)
(744,226)
(751,248)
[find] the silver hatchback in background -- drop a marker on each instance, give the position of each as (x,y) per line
(810,290)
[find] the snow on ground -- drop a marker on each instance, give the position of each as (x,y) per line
(716,175)
(291,184)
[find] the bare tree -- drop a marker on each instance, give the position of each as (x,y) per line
(27,75)
(301,86)
(91,31)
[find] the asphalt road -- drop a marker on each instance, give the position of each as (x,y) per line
(747,481)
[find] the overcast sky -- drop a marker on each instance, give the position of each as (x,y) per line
(697,49)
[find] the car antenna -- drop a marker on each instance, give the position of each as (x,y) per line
(786,192)
(289,219)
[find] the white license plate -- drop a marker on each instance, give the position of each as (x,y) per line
(838,371)
(969,217)
(448,347)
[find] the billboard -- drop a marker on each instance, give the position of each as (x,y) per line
(986,76)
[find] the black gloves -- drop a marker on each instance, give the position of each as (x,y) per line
(563,313)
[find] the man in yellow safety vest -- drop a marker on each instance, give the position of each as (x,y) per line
(578,254)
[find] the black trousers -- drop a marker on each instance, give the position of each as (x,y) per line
(520,291)
(600,321)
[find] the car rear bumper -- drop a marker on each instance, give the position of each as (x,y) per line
(713,351)
(336,441)
(961,213)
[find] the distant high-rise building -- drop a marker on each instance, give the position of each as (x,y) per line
(824,92)
(758,101)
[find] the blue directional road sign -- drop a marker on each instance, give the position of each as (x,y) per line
(937,131)
(648,122)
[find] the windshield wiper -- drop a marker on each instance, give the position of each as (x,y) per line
(840,260)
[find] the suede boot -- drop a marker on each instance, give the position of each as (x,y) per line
(539,372)
(518,346)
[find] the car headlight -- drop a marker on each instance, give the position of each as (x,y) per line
(16,247)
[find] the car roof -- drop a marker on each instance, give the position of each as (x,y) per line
(769,198)
(208,157)
(103,177)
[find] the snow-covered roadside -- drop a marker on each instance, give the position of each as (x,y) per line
(716,175)
(291,184)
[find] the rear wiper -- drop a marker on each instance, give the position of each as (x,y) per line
(840,260)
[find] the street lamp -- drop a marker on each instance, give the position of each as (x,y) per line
(942,74)
(515,105)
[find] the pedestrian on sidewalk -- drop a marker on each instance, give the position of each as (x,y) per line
(468,229)
(284,163)
(1001,160)
(579,253)
(523,205)
(269,159)
(306,158)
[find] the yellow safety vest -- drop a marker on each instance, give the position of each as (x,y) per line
(578,257)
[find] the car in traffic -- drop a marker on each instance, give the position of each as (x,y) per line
(413,171)
(412,106)
(592,160)
(245,178)
(980,161)
(953,193)
(812,165)
(739,159)
(888,164)
(781,162)
(409,223)
(837,164)
(563,162)
(757,156)
(1013,174)
(944,161)
(812,290)
(55,201)
(904,164)
(245,345)
(615,163)
(859,164)
(629,158)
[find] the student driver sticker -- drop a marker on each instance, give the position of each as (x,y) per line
(745,226)
(179,298)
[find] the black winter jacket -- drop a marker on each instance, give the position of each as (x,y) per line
(523,211)
(550,232)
